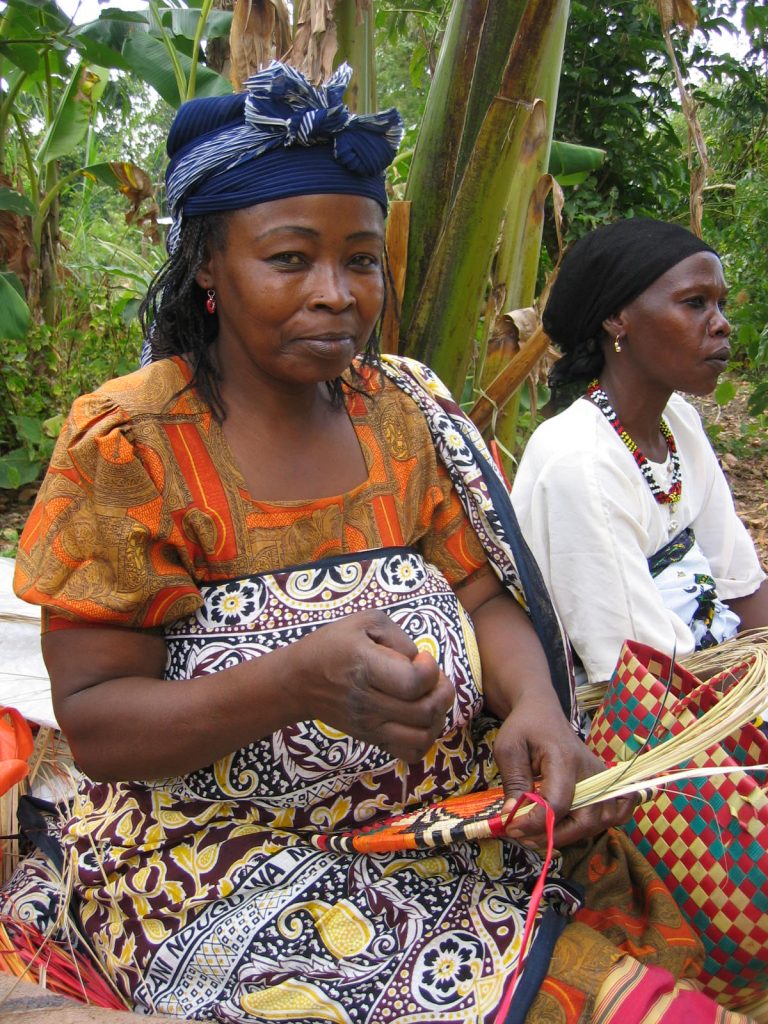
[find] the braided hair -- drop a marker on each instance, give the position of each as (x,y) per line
(581,363)
(173,314)
(176,322)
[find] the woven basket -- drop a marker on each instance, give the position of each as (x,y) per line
(707,837)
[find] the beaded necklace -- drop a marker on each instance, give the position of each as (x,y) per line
(596,394)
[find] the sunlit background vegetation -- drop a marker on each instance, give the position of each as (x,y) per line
(85,106)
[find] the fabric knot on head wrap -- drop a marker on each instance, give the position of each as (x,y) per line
(608,268)
(282,137)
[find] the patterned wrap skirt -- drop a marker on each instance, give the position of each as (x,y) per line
(205,895)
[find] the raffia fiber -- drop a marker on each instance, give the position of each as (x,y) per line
(702,664)
(52,773)
(62,965)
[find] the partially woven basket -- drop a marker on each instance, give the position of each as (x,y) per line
(706,836)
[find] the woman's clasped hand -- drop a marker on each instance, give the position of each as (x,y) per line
(366,677)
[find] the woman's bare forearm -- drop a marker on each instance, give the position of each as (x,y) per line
(513,661)
(137,725)
(361,675)
(752,609)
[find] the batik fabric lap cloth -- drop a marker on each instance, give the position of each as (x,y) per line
(206,896)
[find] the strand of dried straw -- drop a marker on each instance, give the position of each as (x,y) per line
(715,659)
(701,663)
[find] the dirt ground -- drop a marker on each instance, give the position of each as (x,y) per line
(24,1001)
(744,461)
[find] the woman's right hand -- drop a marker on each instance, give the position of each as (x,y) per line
(364,676)
(361,675)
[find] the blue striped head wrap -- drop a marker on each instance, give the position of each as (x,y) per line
(281,137)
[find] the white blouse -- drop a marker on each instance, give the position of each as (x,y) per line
(591,521)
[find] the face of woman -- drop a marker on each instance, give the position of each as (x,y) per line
(676,335)
(299,288)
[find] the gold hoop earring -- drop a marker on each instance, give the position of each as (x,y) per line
(617,343)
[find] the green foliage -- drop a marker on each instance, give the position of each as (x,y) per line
(97,336)
(78,111)
(616,95)
(9,542)
(15,203)
(46,371)
(159,46)
(407,42)
(572,164)
(736,219)
(25,401)
(53,76)
(14,312)
(750,441)
(724,392)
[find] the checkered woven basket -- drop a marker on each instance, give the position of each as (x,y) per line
(706,837)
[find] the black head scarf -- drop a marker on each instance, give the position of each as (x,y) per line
(600,275)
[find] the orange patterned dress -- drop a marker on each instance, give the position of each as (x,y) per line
(140,507)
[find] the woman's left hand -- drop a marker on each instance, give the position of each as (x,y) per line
(536,742)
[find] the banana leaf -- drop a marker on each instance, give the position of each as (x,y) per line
(443,327)
(12,200)
(74,113)
(15,318)
(571,164)
(148,58)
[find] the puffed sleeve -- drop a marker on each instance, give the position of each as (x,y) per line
(101,546)
(577,512)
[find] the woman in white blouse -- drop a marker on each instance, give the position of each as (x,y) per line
(620,496)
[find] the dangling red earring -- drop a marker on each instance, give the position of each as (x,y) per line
(210,302)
